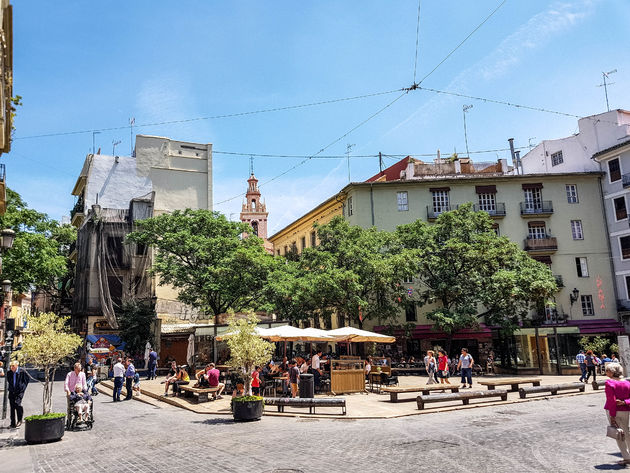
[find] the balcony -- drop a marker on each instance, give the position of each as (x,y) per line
(536,209)
(497,212)
(77,213)
(625,180)
(559,281)
(432,213)
(541,246)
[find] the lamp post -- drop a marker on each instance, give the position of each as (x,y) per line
(6,241)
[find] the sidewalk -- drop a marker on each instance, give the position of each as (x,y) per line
(360,405)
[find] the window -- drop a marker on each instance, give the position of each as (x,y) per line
(255,228)
(495,227)
(410,313)
(533,200)
(536,230)
(286,250)
(313,239)
(624,243)
(408,280)
(350,207)
(614,170)
(440,201)
(587,305)
(572,196)
(487,202)
(620,208)
(141,250)
(278,252)
(115,289)
(115,250)
(253,204)
(403,204)
(576,230)
(556,158)
(303,243)
(627,287)
(294,248)
(582,267)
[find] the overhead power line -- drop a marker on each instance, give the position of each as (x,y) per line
(213,117)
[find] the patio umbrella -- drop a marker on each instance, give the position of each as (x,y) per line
(190,353)
(147,349)
(351,334)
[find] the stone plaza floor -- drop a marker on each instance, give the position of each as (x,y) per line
(559,434)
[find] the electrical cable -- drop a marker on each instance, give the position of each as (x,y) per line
(379,111)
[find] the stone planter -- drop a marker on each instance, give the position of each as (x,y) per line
(247,410)
(44,430)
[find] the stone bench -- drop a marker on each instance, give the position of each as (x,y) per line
(464,396)
(599,384)
(512,382)
(202,393)
(311,403)
(550,388)
(394,392)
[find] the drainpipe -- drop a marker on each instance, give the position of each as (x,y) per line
(372,202)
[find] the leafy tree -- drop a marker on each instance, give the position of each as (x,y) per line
(136,322)
(46,344)
(247,349)
(202,255)
(470,273)
(599,345)
(39,256)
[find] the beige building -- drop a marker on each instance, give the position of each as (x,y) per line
(6,91)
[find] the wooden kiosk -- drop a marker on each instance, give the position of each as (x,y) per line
(347,376)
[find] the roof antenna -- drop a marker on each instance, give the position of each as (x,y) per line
(606,75)
(251,165)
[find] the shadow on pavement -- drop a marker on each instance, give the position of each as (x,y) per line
(214,421)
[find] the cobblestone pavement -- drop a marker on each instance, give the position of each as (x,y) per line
(560,435)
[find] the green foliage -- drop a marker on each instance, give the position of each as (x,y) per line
(201,254)
(599,345)
(46,344)
(51,415)
(247,349)
(247,399)
(136,322)
(463,266)
(39,256)
(614,348)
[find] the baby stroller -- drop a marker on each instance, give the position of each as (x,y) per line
(72,417)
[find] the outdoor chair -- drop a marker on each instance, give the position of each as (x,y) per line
(388,380)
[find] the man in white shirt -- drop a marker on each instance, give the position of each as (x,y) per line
(119,376)
(316,368)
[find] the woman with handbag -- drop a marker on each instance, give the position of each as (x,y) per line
(618,407)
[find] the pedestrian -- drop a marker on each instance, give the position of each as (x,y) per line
(465,364)
(443,371)
(1,369)
(119,376)
(316,368)
(429,366)
(130,373)
(74,377)
(256,381)
(589,361)
(18,381)
(617,405)
(136,384)
(152,367)
(579,359)
(294,377)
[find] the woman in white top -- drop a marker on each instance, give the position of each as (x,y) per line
(430,366)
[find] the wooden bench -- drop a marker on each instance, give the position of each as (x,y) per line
(426,390)
(513,382)
(311,403)
(551,388)
(202,393)
(599,384)
(464,396)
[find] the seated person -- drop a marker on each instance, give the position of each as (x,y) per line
(171,377)
(81,402)
(368,368)
(202,377)
(181,378)
(213,375)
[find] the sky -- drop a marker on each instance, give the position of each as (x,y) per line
(83,66)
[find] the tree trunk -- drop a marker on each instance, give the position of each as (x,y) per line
(48,389)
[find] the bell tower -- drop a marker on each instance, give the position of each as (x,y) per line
(254,211)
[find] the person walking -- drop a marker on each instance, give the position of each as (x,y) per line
(294,378)
(429,366)
(130,374)
(119,376)
(443,371)
(316,369)
(618,407)
(590,362)
(465,364)
(152,367)
(579,359)
(18,381)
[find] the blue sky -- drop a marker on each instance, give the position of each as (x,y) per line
(89,65)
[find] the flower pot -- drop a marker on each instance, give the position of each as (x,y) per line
(44,430)
(247,410)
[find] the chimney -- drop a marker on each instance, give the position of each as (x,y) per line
(518,161)
(514,163)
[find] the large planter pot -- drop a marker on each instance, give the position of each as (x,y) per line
(247,410)
(44,430)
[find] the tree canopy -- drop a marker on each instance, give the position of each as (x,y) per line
(202,255)
(467,272)
(136,322)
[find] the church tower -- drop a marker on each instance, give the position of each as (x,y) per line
(254,212)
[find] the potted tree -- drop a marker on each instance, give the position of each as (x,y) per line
(247,350)
(46,344)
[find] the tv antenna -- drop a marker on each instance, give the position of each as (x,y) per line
(132,121)
(94,133)
(465,108)
(114,144)
(606,75)
(529,142)
(348,149)
(251,165)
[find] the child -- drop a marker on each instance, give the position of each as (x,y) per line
(82,402)
(136,384)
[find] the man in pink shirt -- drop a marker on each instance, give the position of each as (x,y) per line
(213,380)
(77,376)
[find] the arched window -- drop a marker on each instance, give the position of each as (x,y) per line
(253,204)
(255,228)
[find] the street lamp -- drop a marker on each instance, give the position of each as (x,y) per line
(6,241)
(6,286)
(573,297)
